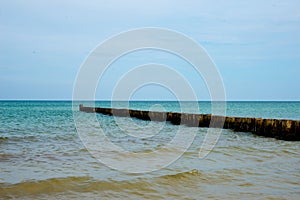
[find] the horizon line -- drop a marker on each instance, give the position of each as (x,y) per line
(174,100)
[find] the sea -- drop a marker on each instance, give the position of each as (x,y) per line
(44,154)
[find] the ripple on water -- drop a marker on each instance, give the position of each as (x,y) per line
(41,156)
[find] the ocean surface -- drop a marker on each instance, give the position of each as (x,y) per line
(42,156)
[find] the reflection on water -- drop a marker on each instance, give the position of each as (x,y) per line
(42,157)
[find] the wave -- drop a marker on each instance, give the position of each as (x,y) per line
(187,174)
(7,156)
(53,185)
(63,185)
(38,137)
(86,184)
(2,139)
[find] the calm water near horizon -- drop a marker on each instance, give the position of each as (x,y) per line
(42,156)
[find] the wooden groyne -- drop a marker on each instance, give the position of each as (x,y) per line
(275,128)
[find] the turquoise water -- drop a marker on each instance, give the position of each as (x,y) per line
(43,157)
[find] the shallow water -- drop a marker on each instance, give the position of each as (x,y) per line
(42,157)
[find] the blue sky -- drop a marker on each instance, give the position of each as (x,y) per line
(255,44)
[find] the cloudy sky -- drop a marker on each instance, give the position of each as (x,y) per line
(254,44)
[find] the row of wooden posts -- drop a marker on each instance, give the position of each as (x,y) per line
(276,128)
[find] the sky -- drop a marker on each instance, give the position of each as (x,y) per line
(255,45)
